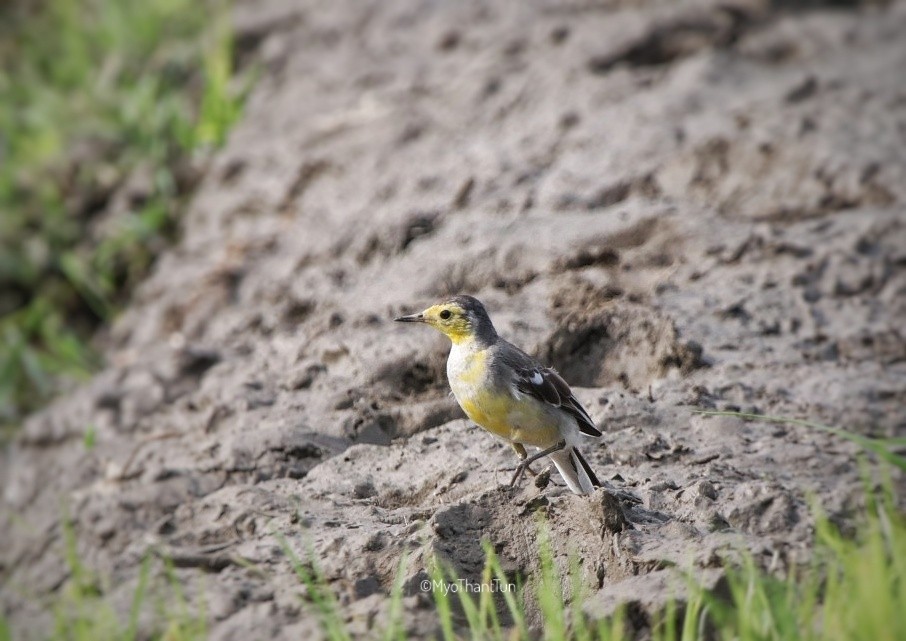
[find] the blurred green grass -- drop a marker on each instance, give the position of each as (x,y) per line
(96,95)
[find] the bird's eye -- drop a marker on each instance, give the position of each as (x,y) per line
(445,314)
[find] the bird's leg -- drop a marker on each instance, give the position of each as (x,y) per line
(520,469)
(522,454)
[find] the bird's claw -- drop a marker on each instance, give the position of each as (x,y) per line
(520,470)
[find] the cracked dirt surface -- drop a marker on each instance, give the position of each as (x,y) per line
(681,206)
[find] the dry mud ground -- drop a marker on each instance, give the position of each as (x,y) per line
(679,205)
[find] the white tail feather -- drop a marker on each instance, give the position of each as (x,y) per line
(569,464)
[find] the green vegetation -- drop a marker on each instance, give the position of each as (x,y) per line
(95,95)
(321,597)
(561,618)
(853,589)
(82,613)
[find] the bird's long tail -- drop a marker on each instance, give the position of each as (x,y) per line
(575,470)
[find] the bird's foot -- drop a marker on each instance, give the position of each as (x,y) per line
(520,471)
(521,452)
(528,460)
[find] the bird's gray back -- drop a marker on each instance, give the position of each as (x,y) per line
(507,360)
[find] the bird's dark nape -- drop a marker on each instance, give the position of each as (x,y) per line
(478,316)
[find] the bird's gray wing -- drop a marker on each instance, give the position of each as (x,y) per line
(546,385)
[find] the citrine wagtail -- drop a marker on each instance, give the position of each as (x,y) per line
(510,394)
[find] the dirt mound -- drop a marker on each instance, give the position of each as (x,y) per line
(679,206)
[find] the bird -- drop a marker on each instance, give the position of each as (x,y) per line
(510,394)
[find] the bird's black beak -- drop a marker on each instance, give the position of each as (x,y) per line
(411,318)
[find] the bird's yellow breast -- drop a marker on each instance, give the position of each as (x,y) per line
(490,412)
(497,409)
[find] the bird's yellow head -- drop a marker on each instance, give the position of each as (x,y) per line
(461,318)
